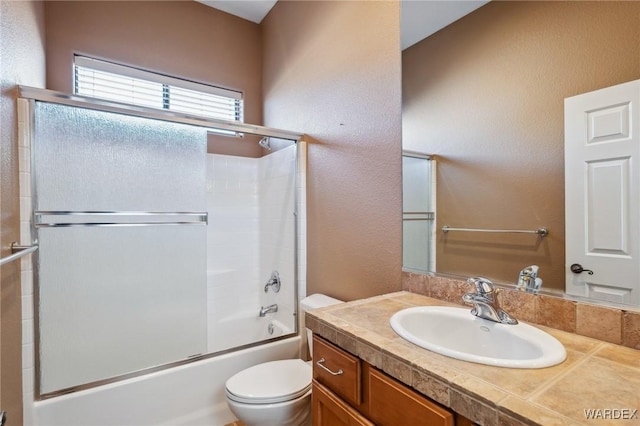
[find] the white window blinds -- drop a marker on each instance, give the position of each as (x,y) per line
(106,80)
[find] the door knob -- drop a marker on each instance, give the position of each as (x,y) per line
(577,268)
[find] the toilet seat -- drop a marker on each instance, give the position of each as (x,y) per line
(270,382)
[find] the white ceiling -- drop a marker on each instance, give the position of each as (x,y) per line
(251,10)
(419,18)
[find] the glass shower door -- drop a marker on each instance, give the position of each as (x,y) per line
(418,212)
(119,218)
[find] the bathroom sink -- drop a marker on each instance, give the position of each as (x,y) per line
(456,333)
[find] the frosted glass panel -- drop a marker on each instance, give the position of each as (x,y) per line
(417,214)
(95,160)
(416,244)
(118,299)
(416,188)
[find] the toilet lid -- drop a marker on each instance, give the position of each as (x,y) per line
(270,382)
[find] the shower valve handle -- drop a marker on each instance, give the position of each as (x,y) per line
(274,281)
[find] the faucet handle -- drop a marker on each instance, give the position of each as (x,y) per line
(483,285)
(528,279)
(531,271)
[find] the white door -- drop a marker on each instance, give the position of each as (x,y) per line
(602,193)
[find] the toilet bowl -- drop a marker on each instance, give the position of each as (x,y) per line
(276,393)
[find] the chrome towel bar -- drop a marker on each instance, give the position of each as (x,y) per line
(543,232)
(18,251)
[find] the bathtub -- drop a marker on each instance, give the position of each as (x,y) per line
(188,395)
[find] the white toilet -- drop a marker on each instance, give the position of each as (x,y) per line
(276,393)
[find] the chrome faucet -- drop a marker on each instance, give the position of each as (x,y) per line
(528,280)
(274,281)
(267,310)
(485,303)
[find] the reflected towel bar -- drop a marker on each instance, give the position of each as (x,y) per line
(543,232)
(18,251)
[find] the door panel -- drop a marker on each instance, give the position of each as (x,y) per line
(329,410)
(602,193)
(119,213)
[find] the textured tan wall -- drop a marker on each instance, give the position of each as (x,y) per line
(486,95)
(333,70)
(180,38)
(22,62)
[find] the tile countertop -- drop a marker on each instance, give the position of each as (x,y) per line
(597,378)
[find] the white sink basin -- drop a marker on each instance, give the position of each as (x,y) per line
(456,333)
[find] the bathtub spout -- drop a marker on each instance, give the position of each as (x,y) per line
(271,308)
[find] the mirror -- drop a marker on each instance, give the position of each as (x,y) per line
(485,96)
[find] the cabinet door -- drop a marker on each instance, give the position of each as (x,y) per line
(329,410)
(392,403)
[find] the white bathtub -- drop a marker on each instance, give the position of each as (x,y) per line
(188,395)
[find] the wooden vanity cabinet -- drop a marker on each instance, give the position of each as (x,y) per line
(349,391)
(328,409)
(393,403)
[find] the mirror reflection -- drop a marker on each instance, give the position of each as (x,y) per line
(485,96)
(418,195)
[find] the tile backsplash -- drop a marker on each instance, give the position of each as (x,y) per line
(614,325)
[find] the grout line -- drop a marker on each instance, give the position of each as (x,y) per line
(603,346)
(511,413)
(546,385)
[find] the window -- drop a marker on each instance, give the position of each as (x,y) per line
(106,80)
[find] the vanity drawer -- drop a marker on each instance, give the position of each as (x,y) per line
(338,370)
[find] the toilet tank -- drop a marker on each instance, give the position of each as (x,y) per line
(312,302)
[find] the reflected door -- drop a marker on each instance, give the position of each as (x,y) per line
(602,184)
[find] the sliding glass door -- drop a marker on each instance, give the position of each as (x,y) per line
(120,218)
(418,212)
